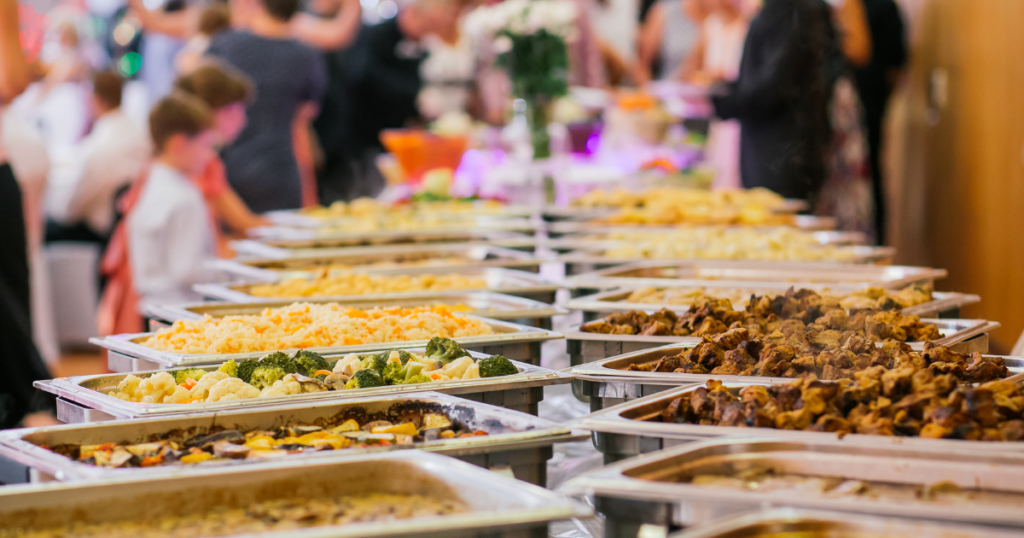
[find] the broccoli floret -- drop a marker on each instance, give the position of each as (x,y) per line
(405,356)
(245,369)
(419,378)
(230,368)
(445,350)
(282,361)
(181,375)
(310,362)
(265,375)
(394,373)
(496,366)
(364,379)
(376,362)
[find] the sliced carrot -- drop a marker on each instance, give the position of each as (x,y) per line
(152,460)
(323,372)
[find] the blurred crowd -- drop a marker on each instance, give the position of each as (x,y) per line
(154,131)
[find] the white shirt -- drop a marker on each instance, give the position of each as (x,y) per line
(109,158)
(169,238)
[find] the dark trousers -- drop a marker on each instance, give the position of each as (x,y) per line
(20,361)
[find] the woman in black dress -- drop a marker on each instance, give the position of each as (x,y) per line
(781,98)
(20,363)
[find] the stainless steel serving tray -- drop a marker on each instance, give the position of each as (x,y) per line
(554,212)
(490,305)
(306,265)
(296,218)
(956,333)
(508,431)
(616,300)
(790,522)
(801,222)
(498,505)
(840,277)
(313,237)
(621,431)
(655,479)
(585,258)
(86,390)
(498,280)
(505,334)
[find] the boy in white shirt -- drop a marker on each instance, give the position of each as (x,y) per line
(169,229)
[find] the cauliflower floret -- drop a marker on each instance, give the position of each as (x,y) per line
(348,365)
(156,387)
(458,367)
(179,396)
(283,387)
(232,386)
(129,387)
(202,388)
(473,372)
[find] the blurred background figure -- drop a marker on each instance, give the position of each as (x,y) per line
(716,58)
(667,37)
(289,79)
(781,98)
(81,205)
(213,19)
(447,71)
(876,80)
(20,402)
(379,81)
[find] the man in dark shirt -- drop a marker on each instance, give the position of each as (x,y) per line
(875,83)
(289,79)
(374,84)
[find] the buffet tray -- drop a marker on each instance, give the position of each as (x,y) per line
(516,342)
(942,305)
(486,304)
(499,505)
(736,274)
(84,390)
(287,237)
(621,432)
(650,480)
(571,212)
(801,222)
(296,218)
(499,280)
(961,335)
(518,440)
(271,269)
(790,522)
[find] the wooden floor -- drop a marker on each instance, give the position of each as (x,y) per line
(71,364)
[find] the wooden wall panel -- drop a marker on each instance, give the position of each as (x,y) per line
(960,180)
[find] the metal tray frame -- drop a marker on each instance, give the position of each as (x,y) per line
(255,247)
(835,524)
(517,440)
(761,275)
(525,509)
(519,392)
(631,494)
(967,336)
(310,237)
(492,305)
(471,256)
(500,280)
(295,218)
(594,306)
(618,436)
(802,222)
(517,342)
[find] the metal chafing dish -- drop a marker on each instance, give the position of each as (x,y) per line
(287,237)
(813,524)
(601,237)
(942,305)
(598,227)
(491,305)
(517,342)
(299,218)
(623,431)
(574,212)
(81,398)
(498,505)
(508,281)
(960,335)
(653,489)
(734,274)
(516,440)
(380,259)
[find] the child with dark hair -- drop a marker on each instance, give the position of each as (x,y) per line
(289,79)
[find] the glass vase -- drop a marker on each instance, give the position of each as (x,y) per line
(539,116)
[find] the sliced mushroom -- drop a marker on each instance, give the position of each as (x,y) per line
(233,436)
(227,449)
(120,458)
(141,450)
(336,381)
(369,426)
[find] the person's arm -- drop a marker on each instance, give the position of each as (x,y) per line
(693,65)
(329,34)
(14,72)
(302,140)
(854,33)
(232,211)
(182,24)
(649,42)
